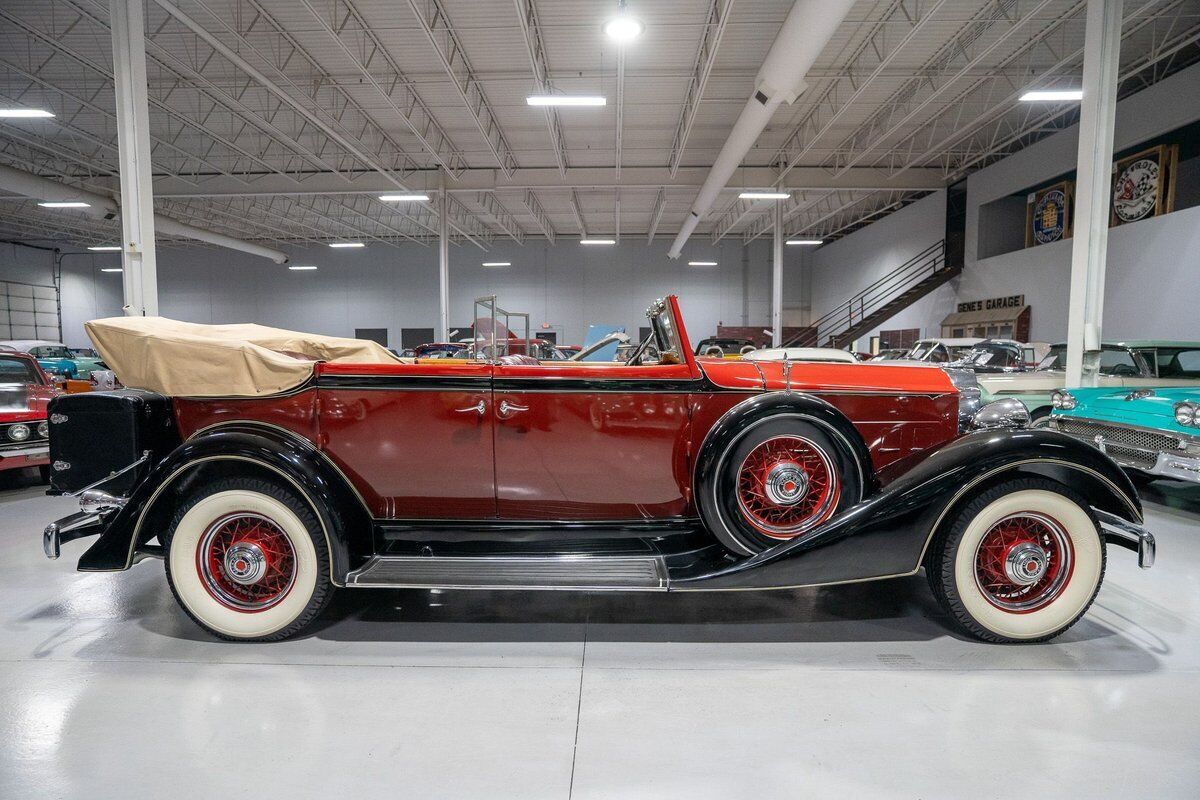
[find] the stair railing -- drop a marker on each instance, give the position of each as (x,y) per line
(891,287)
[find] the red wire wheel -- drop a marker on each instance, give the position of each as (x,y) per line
(1023,562)
(246,562)
(787,485)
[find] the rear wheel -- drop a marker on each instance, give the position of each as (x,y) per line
(1021,562)
(246,560)
(784,477)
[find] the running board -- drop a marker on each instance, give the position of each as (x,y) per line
(575,572)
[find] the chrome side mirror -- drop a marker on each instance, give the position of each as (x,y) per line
(1007,413)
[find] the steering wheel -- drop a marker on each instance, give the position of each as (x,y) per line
(1125,370)
(635,358)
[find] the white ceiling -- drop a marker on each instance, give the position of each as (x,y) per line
(372,95)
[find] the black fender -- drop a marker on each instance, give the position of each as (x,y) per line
(344,517)
(888,533)
(749,412)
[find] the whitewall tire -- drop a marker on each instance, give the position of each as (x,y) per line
(1021,562)
(247,560)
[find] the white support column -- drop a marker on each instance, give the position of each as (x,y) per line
(140,277)
(1093,188)
(777,279)
(443,261)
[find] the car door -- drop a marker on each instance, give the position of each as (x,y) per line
(589,442)
(417,439)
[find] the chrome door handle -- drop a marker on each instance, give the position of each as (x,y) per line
(507,409)
(479,408)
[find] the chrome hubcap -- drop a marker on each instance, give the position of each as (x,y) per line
(245,563)
(786,484)
(1025,564)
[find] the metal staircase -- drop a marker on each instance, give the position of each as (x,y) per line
(888,296)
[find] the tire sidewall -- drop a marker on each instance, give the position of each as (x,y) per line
(189,586)
(1087,569)
(786,424)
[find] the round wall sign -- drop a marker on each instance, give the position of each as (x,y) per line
(1136,190)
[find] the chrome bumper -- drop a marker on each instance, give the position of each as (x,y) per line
(36,451)
(1129,535)
(68,529)
(1175,466)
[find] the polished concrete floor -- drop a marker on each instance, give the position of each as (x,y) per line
(107,690)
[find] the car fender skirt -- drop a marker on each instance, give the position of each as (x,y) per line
(288,458)
(887,534)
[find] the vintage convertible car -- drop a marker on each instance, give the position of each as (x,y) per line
(265,485)
(1153,433)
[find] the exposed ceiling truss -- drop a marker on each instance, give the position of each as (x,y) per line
(282,120)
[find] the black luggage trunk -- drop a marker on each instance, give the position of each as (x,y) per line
(95,434)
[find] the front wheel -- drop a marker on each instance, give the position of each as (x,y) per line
(1021,562)
(247,560)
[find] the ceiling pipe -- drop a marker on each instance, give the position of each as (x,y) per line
(39,188)
(808,28)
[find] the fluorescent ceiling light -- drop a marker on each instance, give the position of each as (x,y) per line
(64,204)
(301,268)
(1052,95)
(565,100)
(624,28)
(112,269)
(497,263)
(404,198)
(18,113)
(765,195)
(346,244)
(805,241)
(105,248)
(597,241)
(702,263)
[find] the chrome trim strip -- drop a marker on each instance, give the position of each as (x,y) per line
(1128,535)
(44,450)
(1184,438)
(57,532)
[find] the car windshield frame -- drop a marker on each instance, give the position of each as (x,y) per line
(1050,361)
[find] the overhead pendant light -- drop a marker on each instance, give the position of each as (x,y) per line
(105,248)
(805,241)
(753,195)
(624,27)
(566,100)
(24,113)
(1052,95)
(404,198)
(346,244)
(64,204)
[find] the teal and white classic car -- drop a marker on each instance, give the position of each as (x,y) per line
(1151,432)
(1134,364)
(56,358)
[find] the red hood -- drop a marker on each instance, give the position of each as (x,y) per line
(39,397)
(806,376)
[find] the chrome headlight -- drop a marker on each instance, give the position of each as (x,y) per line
(43,429)
(1007,413)
(1187,414)
(18,433)
(1063,400)
(969,395)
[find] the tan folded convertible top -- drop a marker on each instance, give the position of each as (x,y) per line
(185,359)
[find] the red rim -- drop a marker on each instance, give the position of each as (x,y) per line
(786,486)
(1024,562)
(246,561)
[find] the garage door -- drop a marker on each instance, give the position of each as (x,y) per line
(28,311)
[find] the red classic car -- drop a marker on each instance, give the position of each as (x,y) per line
(660,473)
(24,393)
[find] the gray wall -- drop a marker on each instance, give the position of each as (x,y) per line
(566,285)
(1153,278)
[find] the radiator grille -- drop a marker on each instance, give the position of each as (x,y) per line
(1115,435)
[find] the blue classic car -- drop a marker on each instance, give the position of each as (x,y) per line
(1151,432)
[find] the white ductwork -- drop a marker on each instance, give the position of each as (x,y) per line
(808,28)
(29,185)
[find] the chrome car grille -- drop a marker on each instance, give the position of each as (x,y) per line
(6,442)
(1116,435)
